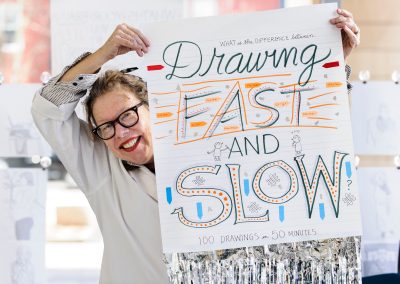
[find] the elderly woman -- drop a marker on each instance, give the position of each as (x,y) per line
(112,159)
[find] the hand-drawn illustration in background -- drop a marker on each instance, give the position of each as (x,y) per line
(380,209)
(257,124)
(20,136)
(378,132)
(22,215)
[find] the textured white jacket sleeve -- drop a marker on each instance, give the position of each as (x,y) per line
(53,110)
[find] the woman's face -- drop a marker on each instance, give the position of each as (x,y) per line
(131,144)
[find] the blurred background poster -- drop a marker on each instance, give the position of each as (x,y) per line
(20,137)
(379,196)
(22,217)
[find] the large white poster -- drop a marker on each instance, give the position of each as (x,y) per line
(22,219)
(19,135)
(79,26)
(375,118)
(251,130)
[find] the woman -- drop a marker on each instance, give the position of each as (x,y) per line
(122,196)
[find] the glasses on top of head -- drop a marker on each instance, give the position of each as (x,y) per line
(127,119)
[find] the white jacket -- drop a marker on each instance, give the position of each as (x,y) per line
(123,202)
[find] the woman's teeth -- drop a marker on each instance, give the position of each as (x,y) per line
(130,143)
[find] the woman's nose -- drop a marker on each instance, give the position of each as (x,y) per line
(121,131)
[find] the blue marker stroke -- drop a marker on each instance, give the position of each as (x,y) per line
(281,213)
(168,192)
(322,211)
(199,210)
(348,169)
(246,187)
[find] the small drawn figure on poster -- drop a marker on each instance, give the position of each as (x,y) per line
(297,144)
(218,150)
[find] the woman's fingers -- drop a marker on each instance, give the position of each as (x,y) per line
(354,39)
(344,13)
(338,19)
(346,18)
(137,37)
(126,38)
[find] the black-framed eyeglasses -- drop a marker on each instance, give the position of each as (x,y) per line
(127,119)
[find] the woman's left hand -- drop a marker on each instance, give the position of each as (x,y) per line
(350,31)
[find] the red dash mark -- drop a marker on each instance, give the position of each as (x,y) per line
(154,67)
(331,64)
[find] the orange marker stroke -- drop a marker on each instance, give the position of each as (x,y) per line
(252,85)
(281,104)
(165,121)
(198,123)
(319,118)
(296,84)
(231,127)
(238,79)
(333,84)
(166,106)
(323,105)
(213,100)
(309,113)
(164,114)
(321,95)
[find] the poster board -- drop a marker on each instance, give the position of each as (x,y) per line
(80,26)
(251,130)
(375,119)
(20,137)
(379,197)
(22,215)
(379,258)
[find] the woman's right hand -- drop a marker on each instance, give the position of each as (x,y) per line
(124,39)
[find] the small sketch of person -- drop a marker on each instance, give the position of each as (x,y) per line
(382,128)
(22,271)
(382,196)
(297,144)
(218,150)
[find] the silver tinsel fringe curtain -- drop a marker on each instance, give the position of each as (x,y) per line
(322,261)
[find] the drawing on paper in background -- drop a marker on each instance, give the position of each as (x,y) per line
(379,202)
(71,22)
(376,125)
(23,200)
(20,134)
(383,126)
(23,228)
(22,269)
(382,195)
(22,213)
(20,137)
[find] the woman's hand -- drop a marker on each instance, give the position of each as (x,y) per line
(124,39)
(350,31)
